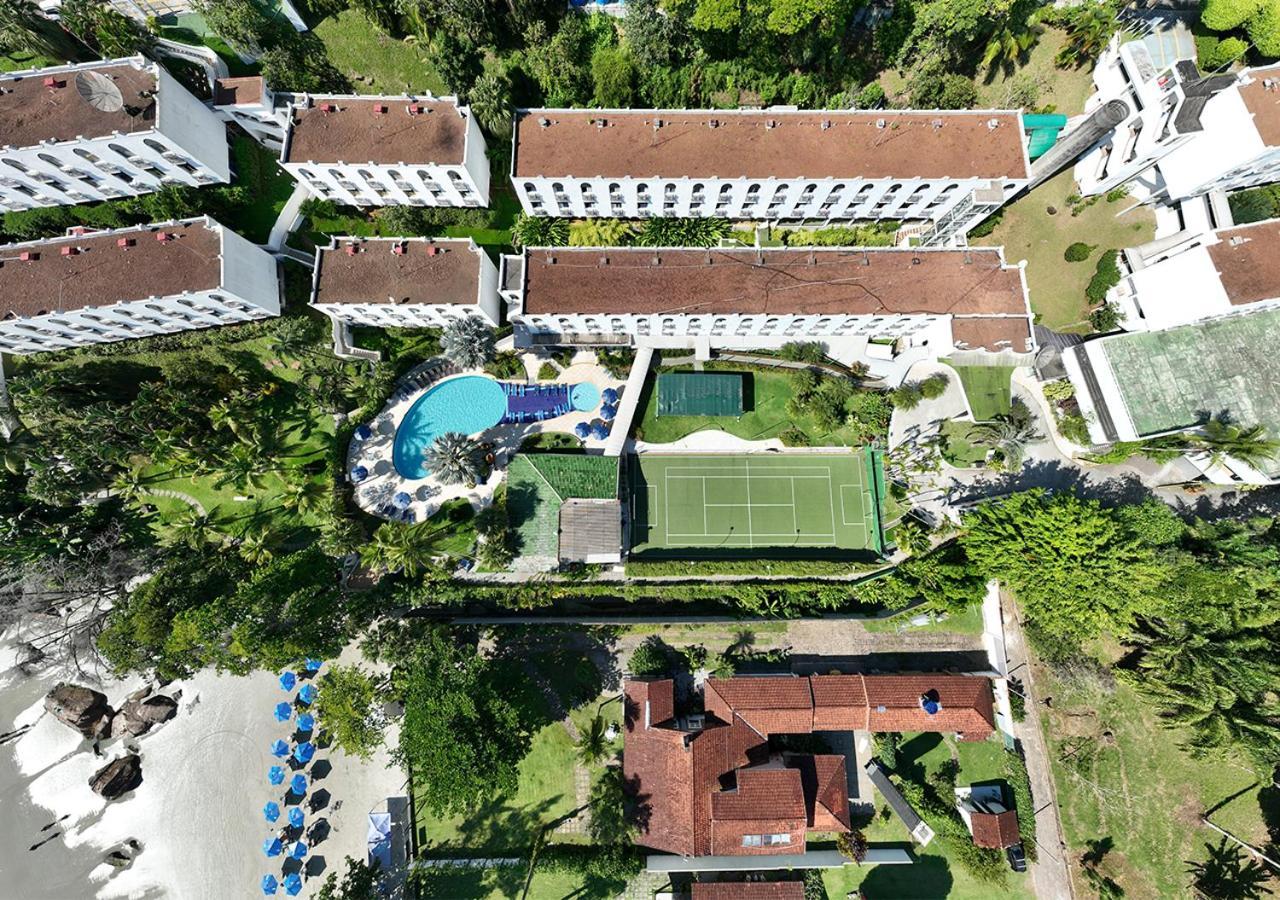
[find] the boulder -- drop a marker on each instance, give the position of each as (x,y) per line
(117,777)
(140,715)
(81,708)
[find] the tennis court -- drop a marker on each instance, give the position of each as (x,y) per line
(748,501)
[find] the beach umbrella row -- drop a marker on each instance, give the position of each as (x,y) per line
(292,884)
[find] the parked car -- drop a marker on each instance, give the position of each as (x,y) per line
(1017,858)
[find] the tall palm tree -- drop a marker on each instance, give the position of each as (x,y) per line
(1011,41)
(1089,26)
(1008,434)
(400,548)
(303,494)
(453,459)
(1227,874)
(539,231)
(241,466)
(293,338)
(1249,444)
(593,745)
(468,342)
(490,102)
(193,528)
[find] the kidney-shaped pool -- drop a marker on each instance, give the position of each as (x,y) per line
(468,404)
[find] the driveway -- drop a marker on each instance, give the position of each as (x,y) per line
(927,418)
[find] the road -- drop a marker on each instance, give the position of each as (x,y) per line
(1051,873)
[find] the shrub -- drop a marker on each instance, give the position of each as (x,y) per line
(1117,193)
(853,845)
(878,235)
(1077,252)
(1224,15)
(650,659)
(600,233)
(1264,29)
(1255,205)
(1057,391)
(987,225)
(886,746)
(1105,277)
(616,362)
(1222,53)
(506,364)
(814,887)
(803,351)
(870,97)
(548,372)
(934,386)
(1075,429)
(1105,318)
(1015,770)
(907,396)
(791,436)
(318,208)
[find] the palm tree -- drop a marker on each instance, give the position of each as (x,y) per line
(304,495)
(913,538)
(193,528)
(593,745)
(1011,42)
(396,548)
(256,548)
(241,466)
(539,231)
(1227,874)
(452,459)
(130,484)
(490,102)
(468,342)
(293,338)
(1248,444)
(1007,434)
(665,232)
(1089,26)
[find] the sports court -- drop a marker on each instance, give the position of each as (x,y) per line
(745,501)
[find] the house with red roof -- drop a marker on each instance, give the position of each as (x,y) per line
(709,784)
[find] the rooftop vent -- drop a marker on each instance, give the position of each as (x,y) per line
(826,123)
(915,260)
(937,123)
(53,83)
(544,122)
(433,250)
(328,107)
(1269,84)
(600,123)
(657,123)
(881,708)
(713,123)
(352,249)
(993,124)
(415,109)
(880,124)
(163,237)
(69,251)
(29,255)
(399,248)
(771,123)
(380,109)
(125,243)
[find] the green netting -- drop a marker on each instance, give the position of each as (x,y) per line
(875,484)
(537,485)
(700,394)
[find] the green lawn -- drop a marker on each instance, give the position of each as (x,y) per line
(958,449)
(20,61)
(1029,232)
(967,622)
(1123,779)
(766,415)
(503,884)
(268,187)
(391,66)
(988,389)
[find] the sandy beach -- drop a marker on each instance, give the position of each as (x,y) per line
(198,813)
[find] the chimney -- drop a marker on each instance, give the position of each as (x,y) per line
(380,109)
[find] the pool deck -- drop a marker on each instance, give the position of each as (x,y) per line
(429,494)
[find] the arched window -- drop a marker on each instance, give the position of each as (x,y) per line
(85,154)
(13,163)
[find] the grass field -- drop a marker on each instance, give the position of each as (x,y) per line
(1029,232)
(358,48)
(743,502)
(988,389)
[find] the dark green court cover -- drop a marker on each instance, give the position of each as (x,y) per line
(700,394)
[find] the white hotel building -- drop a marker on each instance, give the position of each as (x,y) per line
(949,169)
(102,286)
(405,282)
(1187,134)
(882,304)
(103,130)
(387,151)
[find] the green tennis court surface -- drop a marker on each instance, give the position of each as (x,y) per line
(748,501)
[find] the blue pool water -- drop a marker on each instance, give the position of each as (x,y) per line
(469,404)
(586,397)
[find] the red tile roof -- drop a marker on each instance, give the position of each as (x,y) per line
(995,830)
(761,794)
(839,703)
(752,890)
(770,705)
(893,703)
(826,791)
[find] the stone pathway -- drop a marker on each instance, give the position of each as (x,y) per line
(179,496)
(581,823)
(644,886)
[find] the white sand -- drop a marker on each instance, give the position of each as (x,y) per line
(198,812)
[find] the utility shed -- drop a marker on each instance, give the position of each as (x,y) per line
(591,531)
(700,394)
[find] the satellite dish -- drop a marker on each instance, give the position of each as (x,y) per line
(99,91)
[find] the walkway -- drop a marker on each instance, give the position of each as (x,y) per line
(179,496)
(289,219)
(630,402)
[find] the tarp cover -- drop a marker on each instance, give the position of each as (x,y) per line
(700,394)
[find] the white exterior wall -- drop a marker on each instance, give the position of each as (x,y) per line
(187,146)
(401,184)
(825,199)
(266,122)
(255,297)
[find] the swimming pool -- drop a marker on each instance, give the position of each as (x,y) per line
(468,404)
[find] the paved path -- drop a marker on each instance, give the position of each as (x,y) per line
(288,218)
(1050,874)
(928,416)
(179,496)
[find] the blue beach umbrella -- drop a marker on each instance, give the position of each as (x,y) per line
(293,884)
(304,751)
(284,712)
(609,395)
(306,723)
(582,430)
(271,811)
(275,775)
(359,473)
(279,748)
(299,850)
(599,431)
(313,665)
(307,694)
(288,681)
(363,432)
(272,846)
(298,785)
(269,885)
(296,816)
(402,500)
(607,412)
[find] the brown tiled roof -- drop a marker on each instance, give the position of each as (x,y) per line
(355,132)
(992,333)
(1264,104)
(242,91)
(660,696)
(425,271)
(770,705)
(32,112)
(100,272)
(748,890)
(839,703)
(769,144)
(995,830)
(826,791)
(894,703)
(762,794)
(747,281)
(1248,261)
